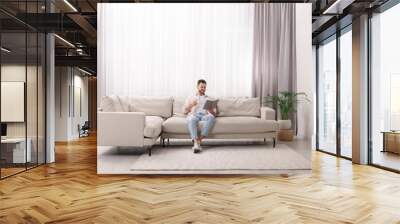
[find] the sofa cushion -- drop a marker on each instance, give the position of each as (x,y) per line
(175,124)
(152,126)
(152,106)
(177,108)
(224,125)
(232,125)
(113,104)
(238,106)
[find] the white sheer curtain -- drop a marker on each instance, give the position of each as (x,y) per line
(163,49)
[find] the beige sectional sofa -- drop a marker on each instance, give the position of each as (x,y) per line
(140,121)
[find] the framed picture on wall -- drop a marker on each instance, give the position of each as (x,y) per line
(12,101)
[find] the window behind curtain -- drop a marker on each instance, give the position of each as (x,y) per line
(163,49)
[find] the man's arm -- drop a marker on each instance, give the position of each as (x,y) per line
(189,104)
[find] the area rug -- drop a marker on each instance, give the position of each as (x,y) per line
(222,159)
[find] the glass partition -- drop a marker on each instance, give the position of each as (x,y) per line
(22,78)
(385,89)
(346,93)
(327,96)
(335,94)
(14,153)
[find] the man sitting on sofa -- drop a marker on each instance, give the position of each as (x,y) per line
(194,109)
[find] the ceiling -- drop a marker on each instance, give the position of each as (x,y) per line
(76,21)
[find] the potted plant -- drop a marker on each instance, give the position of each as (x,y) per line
(286,103)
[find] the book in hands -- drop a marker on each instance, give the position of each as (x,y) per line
(210,104)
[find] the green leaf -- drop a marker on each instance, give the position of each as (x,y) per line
(286,102)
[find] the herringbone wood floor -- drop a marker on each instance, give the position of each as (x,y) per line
(70,191)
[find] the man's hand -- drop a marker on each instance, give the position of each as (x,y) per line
(212,111)
(190,106)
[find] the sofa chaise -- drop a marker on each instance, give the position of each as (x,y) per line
(140,121)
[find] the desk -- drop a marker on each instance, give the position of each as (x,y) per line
(391,141)
(13,150)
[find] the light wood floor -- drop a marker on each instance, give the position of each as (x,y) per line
(10,171)
(70,191)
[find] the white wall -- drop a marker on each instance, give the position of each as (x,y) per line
(305,70)
(80,82)
(15,72)
(62,81)
(67,117)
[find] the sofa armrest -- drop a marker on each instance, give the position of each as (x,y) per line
(120,128)
(267,113)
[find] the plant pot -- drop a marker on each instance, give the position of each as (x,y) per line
(285,124)
(285,135)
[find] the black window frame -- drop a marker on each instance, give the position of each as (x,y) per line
(334,37)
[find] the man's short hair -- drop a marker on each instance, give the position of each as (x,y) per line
(201,81)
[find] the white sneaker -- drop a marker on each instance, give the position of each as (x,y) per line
(196,147)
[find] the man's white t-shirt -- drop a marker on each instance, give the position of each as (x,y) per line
(201,100)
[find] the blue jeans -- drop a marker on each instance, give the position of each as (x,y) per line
(194,119)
